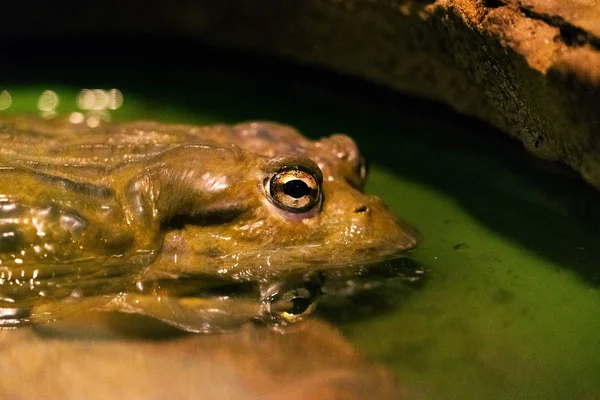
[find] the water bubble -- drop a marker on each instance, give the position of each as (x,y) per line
(86,99)
(115,99)
(93,121)
(76,117)
(100,99)
(5,100)
(97,104)
(48,101)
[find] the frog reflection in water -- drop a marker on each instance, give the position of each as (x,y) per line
(203,228)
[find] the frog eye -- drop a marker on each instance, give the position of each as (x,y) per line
(294,190)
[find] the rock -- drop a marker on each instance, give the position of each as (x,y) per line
(528,67)
(313,361)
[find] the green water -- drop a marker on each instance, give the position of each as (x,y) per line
(510,308)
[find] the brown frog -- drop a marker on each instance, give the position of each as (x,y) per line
(202,227)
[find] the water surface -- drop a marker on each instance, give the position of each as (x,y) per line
(510,307)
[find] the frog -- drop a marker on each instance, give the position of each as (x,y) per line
(203,227)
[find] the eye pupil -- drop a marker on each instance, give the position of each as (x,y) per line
(296,188)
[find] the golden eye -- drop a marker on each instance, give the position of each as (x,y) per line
(294,190)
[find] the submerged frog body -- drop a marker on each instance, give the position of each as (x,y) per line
(201,227)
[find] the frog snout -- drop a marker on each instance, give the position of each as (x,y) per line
(384,225)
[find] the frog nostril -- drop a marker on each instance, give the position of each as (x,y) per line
(361,209)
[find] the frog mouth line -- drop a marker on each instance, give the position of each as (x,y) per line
(344,281)
(209,286)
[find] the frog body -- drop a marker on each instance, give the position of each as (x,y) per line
(201,227)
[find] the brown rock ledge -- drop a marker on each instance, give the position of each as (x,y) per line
(528,67)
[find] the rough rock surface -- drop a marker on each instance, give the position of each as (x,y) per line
(529,67)
(313,361)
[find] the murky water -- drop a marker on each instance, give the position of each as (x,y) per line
(510,307)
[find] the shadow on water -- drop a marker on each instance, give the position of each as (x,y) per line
(376,290)
(366,304)
(543,207)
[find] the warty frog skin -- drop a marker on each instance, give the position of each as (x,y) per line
(202,227)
